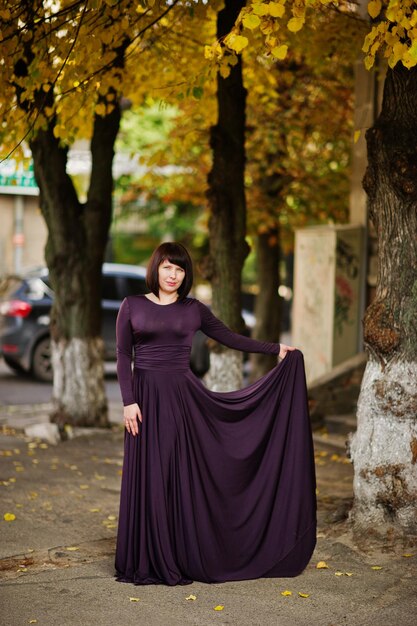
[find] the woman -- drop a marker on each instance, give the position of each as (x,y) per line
(215,486)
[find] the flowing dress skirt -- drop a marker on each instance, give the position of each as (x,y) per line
(218,486)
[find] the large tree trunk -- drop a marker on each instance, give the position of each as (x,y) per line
(226,196)
(267,307)
(384,448)
(77,237)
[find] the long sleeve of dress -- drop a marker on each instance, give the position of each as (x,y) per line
(124,343)
(215,329)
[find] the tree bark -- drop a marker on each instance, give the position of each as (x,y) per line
(267,306)
(77,237)
(226,198)
(384,448)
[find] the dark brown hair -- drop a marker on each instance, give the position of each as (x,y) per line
(177,254)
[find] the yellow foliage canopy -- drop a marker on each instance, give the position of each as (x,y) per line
(64,63)
(393,32)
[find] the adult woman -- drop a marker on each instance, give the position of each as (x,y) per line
(215,486)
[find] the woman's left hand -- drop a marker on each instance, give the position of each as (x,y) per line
(285,349)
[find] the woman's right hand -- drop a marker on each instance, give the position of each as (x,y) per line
(131,415)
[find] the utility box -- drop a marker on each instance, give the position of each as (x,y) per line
(329,270)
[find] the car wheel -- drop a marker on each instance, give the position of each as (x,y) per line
(16,367)
(41,361)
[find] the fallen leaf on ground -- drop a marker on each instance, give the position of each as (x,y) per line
(134,599)
(94,510)
(303,595)
(338,573)
(286,593)
(219,607)
(348,573)
(376,567)
(407,555)
(322,565)
(84,487)
(33,621)
(191,597)
(111,517)
(72,548)
(9,517)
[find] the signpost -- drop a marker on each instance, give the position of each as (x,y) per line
(16,179)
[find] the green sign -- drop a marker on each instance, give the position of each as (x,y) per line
(17,177)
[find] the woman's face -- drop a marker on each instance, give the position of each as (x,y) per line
(170,276)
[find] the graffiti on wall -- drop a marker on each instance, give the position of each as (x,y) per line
(347,271)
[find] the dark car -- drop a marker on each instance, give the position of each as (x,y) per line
(24,319)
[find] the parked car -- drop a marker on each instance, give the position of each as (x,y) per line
(25,314)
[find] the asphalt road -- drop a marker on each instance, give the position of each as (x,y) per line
(16,389)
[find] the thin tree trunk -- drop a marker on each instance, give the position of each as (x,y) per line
(384,448)
(226,197)
(267,307)
(77,237)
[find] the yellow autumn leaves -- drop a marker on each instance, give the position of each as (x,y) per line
(265,16)
(218,607)
(395,34)
(269,17)
(289,593)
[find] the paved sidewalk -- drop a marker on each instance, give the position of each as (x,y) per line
(56,556)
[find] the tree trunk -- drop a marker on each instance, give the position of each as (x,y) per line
(226,197)
(384,448)
(267,307)
(77,237)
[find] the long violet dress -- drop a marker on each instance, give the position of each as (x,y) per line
(216,486)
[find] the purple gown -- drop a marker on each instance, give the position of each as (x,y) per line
(216,486)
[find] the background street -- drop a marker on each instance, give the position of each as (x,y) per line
(16,389)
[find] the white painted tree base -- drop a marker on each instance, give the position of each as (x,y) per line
(79,395)
(384,448)
(225,372)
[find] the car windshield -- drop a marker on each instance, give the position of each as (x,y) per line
(38,288)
